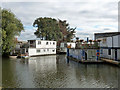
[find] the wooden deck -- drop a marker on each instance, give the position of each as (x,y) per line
(102,61)
(111,61)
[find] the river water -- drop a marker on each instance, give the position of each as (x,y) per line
(56,72)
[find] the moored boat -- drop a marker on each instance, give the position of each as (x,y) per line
(22,56)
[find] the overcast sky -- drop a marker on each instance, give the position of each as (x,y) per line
(89,17)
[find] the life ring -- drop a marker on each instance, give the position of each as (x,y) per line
(97,54)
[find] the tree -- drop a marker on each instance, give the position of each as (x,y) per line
(47,28)
(52,29)
(68,33)
(0,28)
(11,27)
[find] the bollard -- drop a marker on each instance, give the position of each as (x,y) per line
(67,51)
(115,54)
(67,55)
(97,53)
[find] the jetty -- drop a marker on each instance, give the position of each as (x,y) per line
(86,61)
(101,61)
(110,61)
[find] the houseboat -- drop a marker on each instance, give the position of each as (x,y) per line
(41,47)
(63,46)
(109,45)
(85,50)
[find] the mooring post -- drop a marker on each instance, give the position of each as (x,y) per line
(67,55)
(115,54)
(67,51)
(97,53)
(97,58)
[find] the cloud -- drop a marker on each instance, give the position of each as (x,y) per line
(27,34)
(89,17)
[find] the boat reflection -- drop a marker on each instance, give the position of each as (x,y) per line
(43,63)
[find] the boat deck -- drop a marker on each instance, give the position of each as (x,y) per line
(86,61)
(101,61)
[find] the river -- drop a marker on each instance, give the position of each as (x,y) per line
(56,72)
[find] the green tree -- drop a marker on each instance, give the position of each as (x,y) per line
(0,27)
(47,28)
(52,29)
(11,27)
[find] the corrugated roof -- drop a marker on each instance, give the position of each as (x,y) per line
(106,34)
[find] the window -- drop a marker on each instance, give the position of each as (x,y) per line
(47,49)
(31,42)
(46,43)
(39,42)
(104,40)
(53,50)
(65,44)
(44,50)
(109,51)
(101,51)
(38,50)
(53,43)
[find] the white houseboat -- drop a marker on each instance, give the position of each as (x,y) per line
(41,47)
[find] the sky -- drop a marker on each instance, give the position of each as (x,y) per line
(90,16)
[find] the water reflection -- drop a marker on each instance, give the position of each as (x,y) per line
(43,64)
(96,76)
(57,71)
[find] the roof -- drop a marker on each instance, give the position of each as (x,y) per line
(107,34)
(21,42)
(40,40)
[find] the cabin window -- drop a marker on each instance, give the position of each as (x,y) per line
(101,51)
(31,42)
(47,49)
(53,43)
(65,44)
(46,43)
(39,42)
(109,51)
(44,50)
(38,51)
(104,40)
(50,42)
(53,50)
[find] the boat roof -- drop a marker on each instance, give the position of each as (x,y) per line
(39,40)
(106,34)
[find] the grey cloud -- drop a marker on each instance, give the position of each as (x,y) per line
(28,11)
(84,12)
(106,28)
(76,13)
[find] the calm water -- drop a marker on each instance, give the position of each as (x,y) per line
(55,72)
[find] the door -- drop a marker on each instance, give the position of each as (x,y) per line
(85,56)
(115,54)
